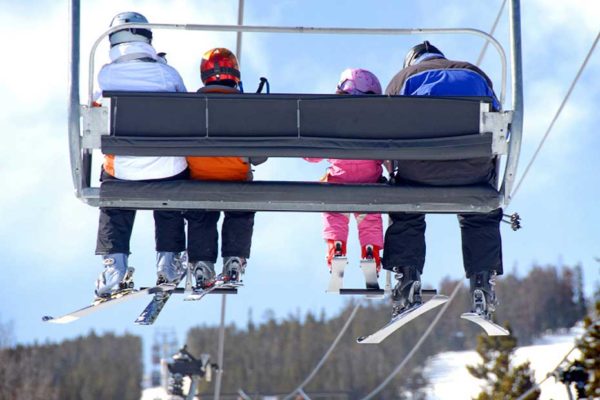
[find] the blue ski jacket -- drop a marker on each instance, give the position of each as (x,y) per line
(438,76)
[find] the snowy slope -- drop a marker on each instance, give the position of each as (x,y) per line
(450,380)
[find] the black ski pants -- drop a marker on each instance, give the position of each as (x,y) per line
(203,236)
(116,224)
(404,244)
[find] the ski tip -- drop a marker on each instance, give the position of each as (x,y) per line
(366,340)
(61,320)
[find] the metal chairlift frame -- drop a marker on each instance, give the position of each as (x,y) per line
(89,127)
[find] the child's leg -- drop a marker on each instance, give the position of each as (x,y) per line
(370,229)
(370,233)
(335,233)
(335,226)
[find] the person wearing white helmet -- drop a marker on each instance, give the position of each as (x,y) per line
(354,81)
(136,66)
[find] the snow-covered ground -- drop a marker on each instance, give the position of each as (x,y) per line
(450,379)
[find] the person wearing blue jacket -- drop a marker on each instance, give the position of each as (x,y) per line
(427,72)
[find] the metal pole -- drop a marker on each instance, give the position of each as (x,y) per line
(240,22)
(485,45)
(516,127)
(73,113)
(221,349)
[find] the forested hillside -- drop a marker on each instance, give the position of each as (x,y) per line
(274,356)
(88,368)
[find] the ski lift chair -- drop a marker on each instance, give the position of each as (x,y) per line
(295,125)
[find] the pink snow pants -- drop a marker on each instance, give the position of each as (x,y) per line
(370,229)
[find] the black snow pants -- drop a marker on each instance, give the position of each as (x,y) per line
(116,224)
(203,236)
(404,244)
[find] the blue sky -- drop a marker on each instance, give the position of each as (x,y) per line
(47,237)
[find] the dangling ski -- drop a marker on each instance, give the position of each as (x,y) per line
(153,309)
(402,319)
(99,304)
(126,292)
(338,264)
(491,328)
(369,269)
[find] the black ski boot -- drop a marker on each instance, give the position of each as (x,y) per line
(407,292)
(483,295)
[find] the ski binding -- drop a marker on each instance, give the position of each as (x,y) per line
(402,319)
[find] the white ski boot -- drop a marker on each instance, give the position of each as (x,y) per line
(170,266)
(115,276)
(203,273)
(407,292)
(233,270)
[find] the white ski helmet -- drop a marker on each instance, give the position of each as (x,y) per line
(129,35)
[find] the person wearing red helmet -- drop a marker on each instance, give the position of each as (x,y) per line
(354,81)
(220,73)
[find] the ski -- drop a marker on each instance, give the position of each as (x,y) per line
(98,304)
(402,319)
(491,328)
(162,294)
(337,274)
(369,269)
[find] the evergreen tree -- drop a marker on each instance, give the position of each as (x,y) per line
(503,380)
(589,346)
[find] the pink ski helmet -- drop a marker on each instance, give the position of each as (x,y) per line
(358,81)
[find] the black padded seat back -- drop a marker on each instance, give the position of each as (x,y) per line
(385,117)
(295,125)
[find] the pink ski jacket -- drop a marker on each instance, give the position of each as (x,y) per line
(351,171)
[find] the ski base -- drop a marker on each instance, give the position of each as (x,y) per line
(402,319)
(491,328)
(338,264)
(369,269)
(98,304)
(162,293)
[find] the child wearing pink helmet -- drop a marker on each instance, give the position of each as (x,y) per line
(354,81)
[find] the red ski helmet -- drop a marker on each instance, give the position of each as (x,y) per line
(219,64)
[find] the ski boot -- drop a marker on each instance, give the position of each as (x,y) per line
(483,295)
(233,270)
(115,277)
(371,252)
(335,249)
(203,273)
(407,291)
(170,267)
